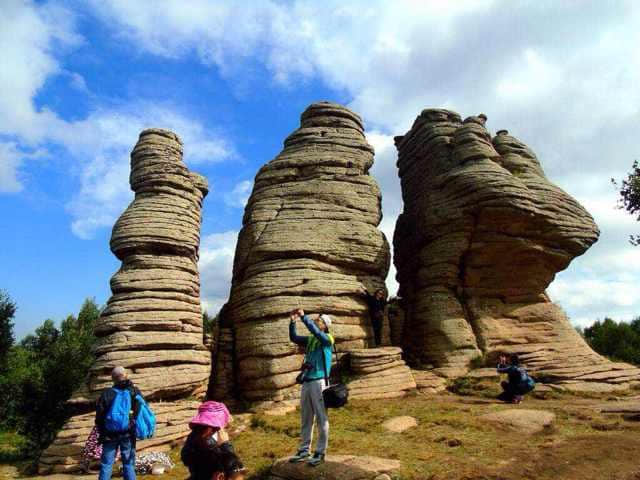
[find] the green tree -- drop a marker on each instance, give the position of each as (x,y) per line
(617,340)
(45,369)
(7,312)
(630,196)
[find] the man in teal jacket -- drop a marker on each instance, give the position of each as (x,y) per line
(317,358)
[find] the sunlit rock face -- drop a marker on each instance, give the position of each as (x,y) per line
(152,324)
(309,240)
(481,237)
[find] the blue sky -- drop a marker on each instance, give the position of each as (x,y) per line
(79,80)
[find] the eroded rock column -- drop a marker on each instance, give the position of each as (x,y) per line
(482,235)
(309,240)
(152,324)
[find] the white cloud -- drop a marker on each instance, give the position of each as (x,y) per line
(10,160)
(31,37)
(216,268)
(239,196)
(563,77)
(105,139)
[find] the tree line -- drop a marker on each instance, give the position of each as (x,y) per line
(40,373)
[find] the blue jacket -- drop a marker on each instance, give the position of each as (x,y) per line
(318,348)
(517,374)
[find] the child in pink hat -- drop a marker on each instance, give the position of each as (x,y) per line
(212,414)
(208,441)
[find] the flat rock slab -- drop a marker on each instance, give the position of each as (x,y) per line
(620,407)
(335,467)
(526,421)
(400,424)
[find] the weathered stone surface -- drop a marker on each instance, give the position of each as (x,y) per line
(309,240)
(526,421)
(63,455)
(335,467)
(482,234)
(379,373)
(152,324)
(400,424)
(427,381)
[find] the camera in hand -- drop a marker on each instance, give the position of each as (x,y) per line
(303,371)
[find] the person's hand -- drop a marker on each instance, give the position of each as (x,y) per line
(223,436)
(503,359)
(293,316)
(300,312)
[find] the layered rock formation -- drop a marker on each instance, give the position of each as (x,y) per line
(482,235)
(379,373)
(309,240)
(152,324)
(62,456)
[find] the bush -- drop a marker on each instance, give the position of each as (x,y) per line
(42,373)
(619,341)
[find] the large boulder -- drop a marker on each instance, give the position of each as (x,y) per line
(309,240)
(520,420)
(481,237)
(379,373)
(152,324)
(335,467)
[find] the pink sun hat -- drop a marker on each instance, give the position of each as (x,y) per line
(212,414)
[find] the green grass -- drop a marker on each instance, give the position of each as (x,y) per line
(431,449)
(451,442)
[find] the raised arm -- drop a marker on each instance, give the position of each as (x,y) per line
(503,368)
(293,336)
(316,332)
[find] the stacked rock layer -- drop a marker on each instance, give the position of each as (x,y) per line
(309,240)
(379,373)
(482,235)
(152,324)
(63,455)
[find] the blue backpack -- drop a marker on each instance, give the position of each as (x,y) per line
(146,421)
(527,383)
(117,419)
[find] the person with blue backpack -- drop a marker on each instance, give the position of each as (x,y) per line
(518,383)
(121,416)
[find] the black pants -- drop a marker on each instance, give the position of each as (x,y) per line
(510,391)
(377,330)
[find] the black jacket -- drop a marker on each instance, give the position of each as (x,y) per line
(376,305)
(203,462)
(104,404)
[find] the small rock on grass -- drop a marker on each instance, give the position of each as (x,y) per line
(400,424)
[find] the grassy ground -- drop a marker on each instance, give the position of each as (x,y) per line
(450,443)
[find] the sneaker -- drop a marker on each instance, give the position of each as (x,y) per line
(317,459)
(301,456)
(517,399)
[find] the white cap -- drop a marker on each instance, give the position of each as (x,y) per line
(326,319)
(118,374)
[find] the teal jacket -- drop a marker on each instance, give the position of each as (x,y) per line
(318,348)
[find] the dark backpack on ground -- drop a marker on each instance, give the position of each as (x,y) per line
(337,395)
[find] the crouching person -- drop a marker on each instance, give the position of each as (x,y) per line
(208,443)
(518,383)
(316,368)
